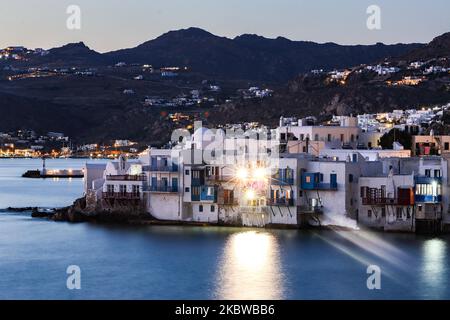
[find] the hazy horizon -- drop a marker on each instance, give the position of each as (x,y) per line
(109,25)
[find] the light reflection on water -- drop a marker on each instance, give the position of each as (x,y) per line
(250,267)
(434,267)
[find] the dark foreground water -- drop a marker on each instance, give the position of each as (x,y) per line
(200,263)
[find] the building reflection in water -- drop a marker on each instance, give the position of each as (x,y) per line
(250,268)
(434,272)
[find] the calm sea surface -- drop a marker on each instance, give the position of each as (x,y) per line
(199,263)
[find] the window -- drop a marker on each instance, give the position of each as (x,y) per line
(196,191)
(329,137)
(383,212)
(123,188)
(316,137)
(408,213)
(321,177)
(200,208)
(446,146)
(420,208)
(136,189)
(428,173)
(342,138)
(350,178)
(352,138)
(213,208)
(369,213)
(187,189)
(210,191)
(437,173)
(186,172)
(110,188)
(302,137)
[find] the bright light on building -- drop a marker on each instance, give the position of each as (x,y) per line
(260,174)
(250,195)
(434,187)
(242,174)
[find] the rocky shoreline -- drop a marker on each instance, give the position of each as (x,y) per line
(78,213)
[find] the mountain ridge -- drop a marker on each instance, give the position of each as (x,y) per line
(248,56)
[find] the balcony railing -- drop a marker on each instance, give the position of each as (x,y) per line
(281,202)
(320,186)
(218,178)
(126,177)
(428,198)
(160,168)
(228,202)
(387,201)
(427,180)
(276,181)
(162,188)
(122,195)
(253,209)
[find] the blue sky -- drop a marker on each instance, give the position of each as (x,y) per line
(114,24)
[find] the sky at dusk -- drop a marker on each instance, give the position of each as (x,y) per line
(115,24)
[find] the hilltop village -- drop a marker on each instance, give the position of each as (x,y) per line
(299,174)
